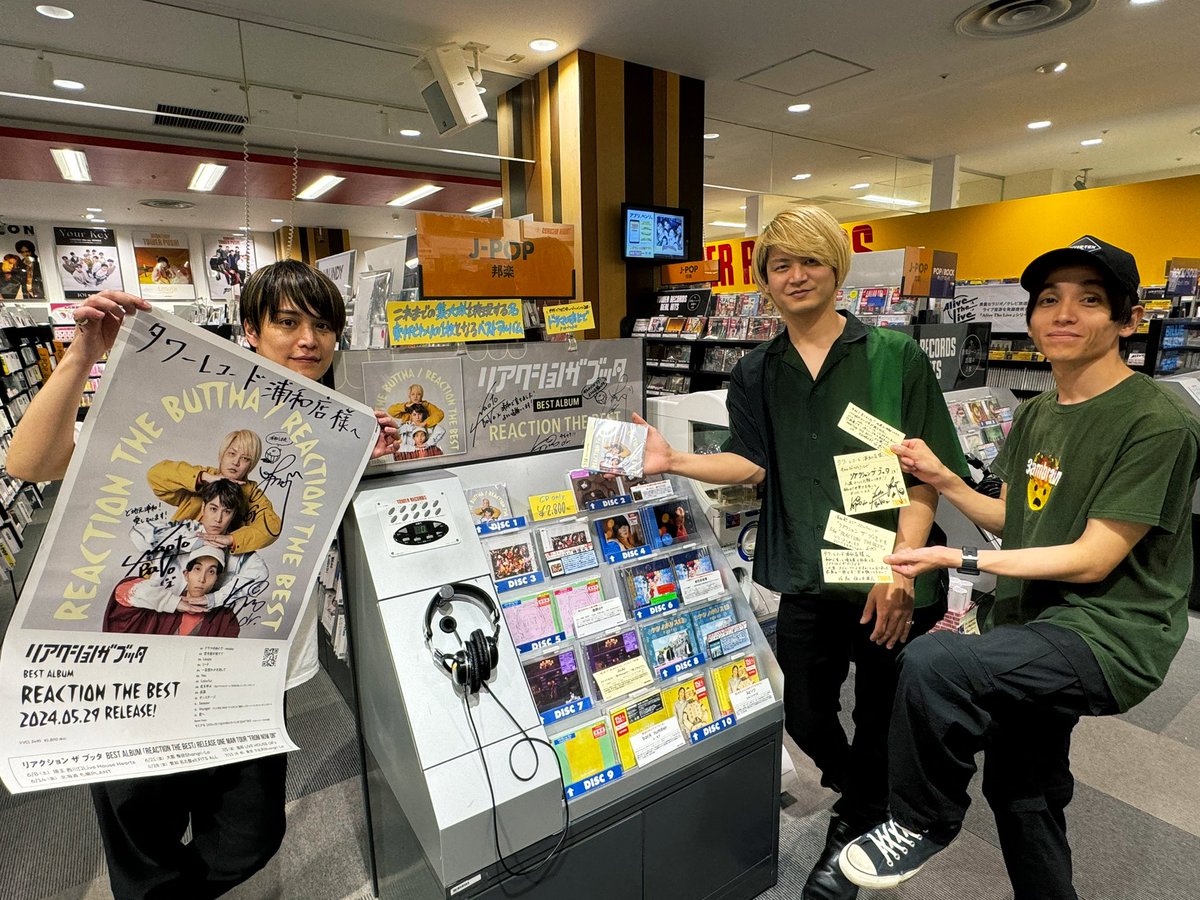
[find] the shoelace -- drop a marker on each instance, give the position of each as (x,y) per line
(893,840)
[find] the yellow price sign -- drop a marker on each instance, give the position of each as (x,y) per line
(567,317)
(552,506)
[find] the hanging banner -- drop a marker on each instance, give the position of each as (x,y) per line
(416,322)
(734,259)
(229,259)
(1000,302)
(466,256)
(20,270)
(164,265)
(87,261)
(153,632)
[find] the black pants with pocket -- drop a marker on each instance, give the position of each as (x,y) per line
(817,639)
(237,816)
(1015,693)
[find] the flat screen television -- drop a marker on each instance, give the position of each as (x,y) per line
(654,232)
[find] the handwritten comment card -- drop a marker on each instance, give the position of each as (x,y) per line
(870,481)
(854,567)
(871,431)
(857,535)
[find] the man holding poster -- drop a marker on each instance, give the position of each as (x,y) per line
(178,699)
(788,400)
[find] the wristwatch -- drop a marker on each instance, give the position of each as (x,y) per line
(970,561)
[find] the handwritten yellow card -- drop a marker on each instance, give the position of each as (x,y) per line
(568,317)
(854,534)
(552,506)
(871,431)
(854,567)
(623,677)
(412,322)
(870,480)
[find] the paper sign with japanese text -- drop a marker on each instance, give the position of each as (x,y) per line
(415,322)
(869,481)
(567,317)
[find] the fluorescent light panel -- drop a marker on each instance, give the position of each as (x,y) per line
(66,84)
(484,207)
(322,185)
(206,176)
(1091,142)
(721,224)
(895,201)
(415,194)
(72,164)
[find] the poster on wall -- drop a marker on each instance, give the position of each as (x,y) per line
(164,265)
(1000,302)
(370,310)
(87,261)
(229,260)
(154,630)
(340,269)
(21,269)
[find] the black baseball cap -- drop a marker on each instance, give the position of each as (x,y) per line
(1116,265)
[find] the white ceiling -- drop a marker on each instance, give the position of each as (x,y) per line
(913,89)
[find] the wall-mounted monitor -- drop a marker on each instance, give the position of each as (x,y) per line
(654,232)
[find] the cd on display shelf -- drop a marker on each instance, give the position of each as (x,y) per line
(622,536)
(688,702)
(671,645)
(584,610)
(616,664)
(567,547)
(595,490)
(514,562)
(635,717)
(588,757)
(672,522)
(532,621)
(557,688)
(649,587)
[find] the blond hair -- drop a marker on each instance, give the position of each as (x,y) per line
(244,441)
(803,231)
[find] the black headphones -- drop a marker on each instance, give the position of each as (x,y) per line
(474,664)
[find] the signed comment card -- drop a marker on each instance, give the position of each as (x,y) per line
(854,567)
(871,431)
(870,481)
(854,534)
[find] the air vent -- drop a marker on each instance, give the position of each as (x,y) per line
(199,119)
(1017,18)
(167,204)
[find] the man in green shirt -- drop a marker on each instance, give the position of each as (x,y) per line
(1091,599)
(785,400)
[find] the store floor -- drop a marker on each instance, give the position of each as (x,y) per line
(1135,821)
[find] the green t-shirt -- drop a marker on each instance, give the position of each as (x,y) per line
(784,420)
(1129,454)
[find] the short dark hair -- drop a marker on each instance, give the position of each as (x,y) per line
(195,562)
(21,244)
(228,494)
(309,288)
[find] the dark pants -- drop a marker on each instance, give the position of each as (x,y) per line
(237,816)
(817,638)
(1014,693)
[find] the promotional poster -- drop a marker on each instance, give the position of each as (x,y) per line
(153,632)
(20,269)
(230,259)
(87,261)
(164,265)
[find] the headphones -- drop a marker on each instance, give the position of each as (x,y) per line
(474,664)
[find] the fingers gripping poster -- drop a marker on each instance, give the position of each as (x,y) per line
(153,632)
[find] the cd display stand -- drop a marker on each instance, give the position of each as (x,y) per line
(621,642)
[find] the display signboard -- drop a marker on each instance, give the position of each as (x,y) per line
(494,401)
(565,318)
(683,303)
(154,630)
(957,353)
(928,273)
(419,322)
(734,258)
(466,256)
(1002,303)
(690,272)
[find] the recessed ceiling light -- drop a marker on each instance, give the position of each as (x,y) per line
(243,228)
(321,186)
(277,221)
(94,209)
(743,206)
(99,221)
(543,45)
(72,164)
(803,176)
(1041,123)
(409,132)
(894,201)
(865,156)
(711,135)
(54,12)
(484,207)
(1141,2)
(90,216)
(66,84)
(860,186)
(1091,142)
(415,194)
(206,176)
(799,107)
(721,224)
(1051,68)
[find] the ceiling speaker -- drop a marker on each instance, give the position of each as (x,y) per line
(448,89)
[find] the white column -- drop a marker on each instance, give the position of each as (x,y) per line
(943,193)
(755,219)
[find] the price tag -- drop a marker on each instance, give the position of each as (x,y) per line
(552,506)
(756,696)
(716,727)
(657,741)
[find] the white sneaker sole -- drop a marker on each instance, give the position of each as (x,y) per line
(868,880)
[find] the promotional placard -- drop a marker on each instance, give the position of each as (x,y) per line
(153,632)
(230,259)
(164,265)
(416,322)
(21,270)
(733,258)
(1000,302)
(87,261)
(568,317)
(690,272)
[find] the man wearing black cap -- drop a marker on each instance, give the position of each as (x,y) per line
(1091,596)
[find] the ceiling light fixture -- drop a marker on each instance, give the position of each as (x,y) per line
(243,228)
(94,209)
(54,12)
(98,221)
(479,88)
(1091,142)
(66,84)
(543,45)
(322,185)
(412,263)
(206,176)
(894,201)
(711,135)
(415,194)
(803,176)
(860,186)
(1051,68)
(277,221)
(1141,2)
(484,207)
(72,164)
(90,216)
(1040,124)
(726,187)
(721,224)
(799,107)
(409,132)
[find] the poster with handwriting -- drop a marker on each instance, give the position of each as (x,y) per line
(869,481)
(424,396)
(153,632)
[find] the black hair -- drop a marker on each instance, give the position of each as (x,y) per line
(1120,301)
(20,244)
(228,494)
(191,565)
(309,288)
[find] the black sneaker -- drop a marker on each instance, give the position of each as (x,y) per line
(886,855)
